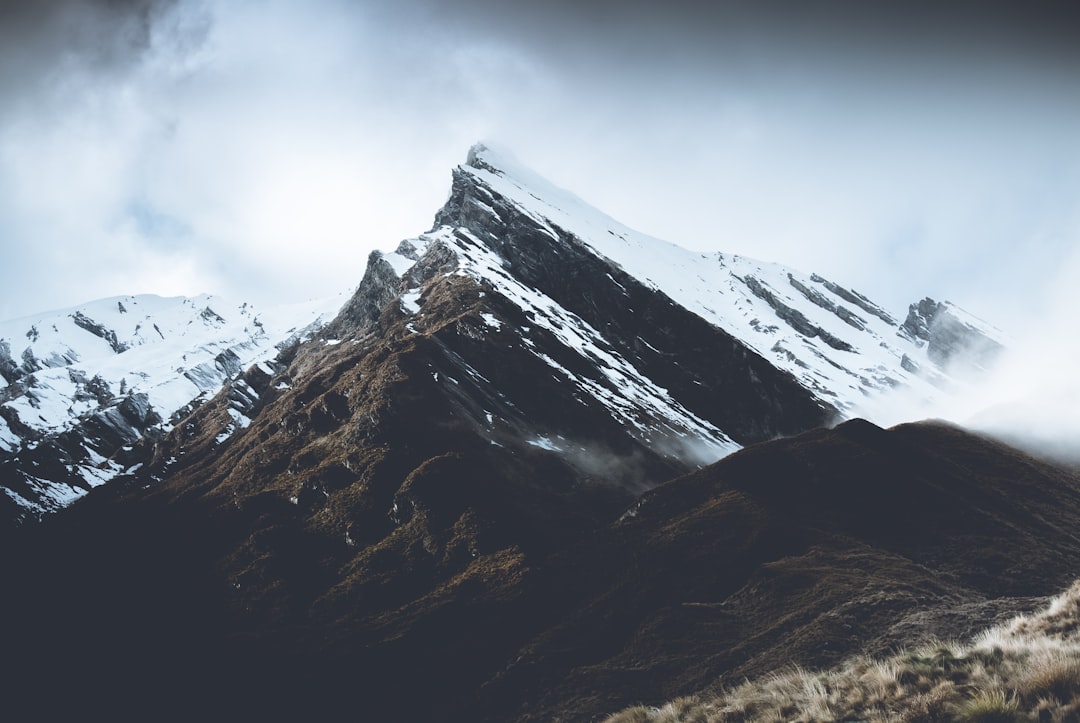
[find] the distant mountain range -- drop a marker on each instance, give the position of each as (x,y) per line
(80,387)
(489,487)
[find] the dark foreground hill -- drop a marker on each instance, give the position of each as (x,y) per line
(482,601)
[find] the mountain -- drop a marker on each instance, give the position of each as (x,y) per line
(488,488)
(80,386)
(564,264)
(560,329)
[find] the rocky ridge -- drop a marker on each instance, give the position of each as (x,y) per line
(568,266)
(79,388)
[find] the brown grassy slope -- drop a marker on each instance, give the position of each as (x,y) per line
(805,551)
(1027,669)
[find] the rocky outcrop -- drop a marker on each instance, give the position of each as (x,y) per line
(65,429)
(855,298)
(846,315)
(795,318)
(99,330)
(921,314)
(952,338)
(377,288)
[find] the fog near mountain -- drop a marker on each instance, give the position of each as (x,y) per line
(1030,395)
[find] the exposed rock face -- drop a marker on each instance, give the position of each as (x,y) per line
(378,288)
(50,469)
(917,324)
(85,322)
(847,315)
(795,318)
(953,338)
(855,298)
(93,382)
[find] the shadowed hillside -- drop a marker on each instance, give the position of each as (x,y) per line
(478,605)
(1027,669)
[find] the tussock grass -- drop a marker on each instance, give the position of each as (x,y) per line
(1025,670)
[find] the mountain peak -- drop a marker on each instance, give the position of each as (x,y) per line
(80,386)
(490,157)
(839,344)
(478,156)
(694,354)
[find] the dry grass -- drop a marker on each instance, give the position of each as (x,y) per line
(1025,670)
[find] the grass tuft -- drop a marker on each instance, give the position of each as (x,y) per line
(990,706)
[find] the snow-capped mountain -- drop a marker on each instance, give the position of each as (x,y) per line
(483,489)
(535,246)
(79,385)
(543,327)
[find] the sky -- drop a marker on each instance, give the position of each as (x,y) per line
(260,149)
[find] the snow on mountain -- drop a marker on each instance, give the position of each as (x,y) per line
(647,410)
(835,341)
(76,384)
(839,345)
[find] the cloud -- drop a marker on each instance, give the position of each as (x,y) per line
(1030,396)
(274,149)
(71,133)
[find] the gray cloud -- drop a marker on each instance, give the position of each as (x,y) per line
(44,45)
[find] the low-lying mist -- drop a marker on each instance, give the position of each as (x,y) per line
(1030,397)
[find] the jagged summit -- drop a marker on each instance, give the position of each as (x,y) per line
(953,338)
(503,221)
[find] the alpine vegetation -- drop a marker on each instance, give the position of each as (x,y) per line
(1027,669)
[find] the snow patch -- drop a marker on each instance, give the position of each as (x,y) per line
(410,301)
(399,263)
(239,419)
(544,443)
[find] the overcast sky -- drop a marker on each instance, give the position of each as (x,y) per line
(261,149)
